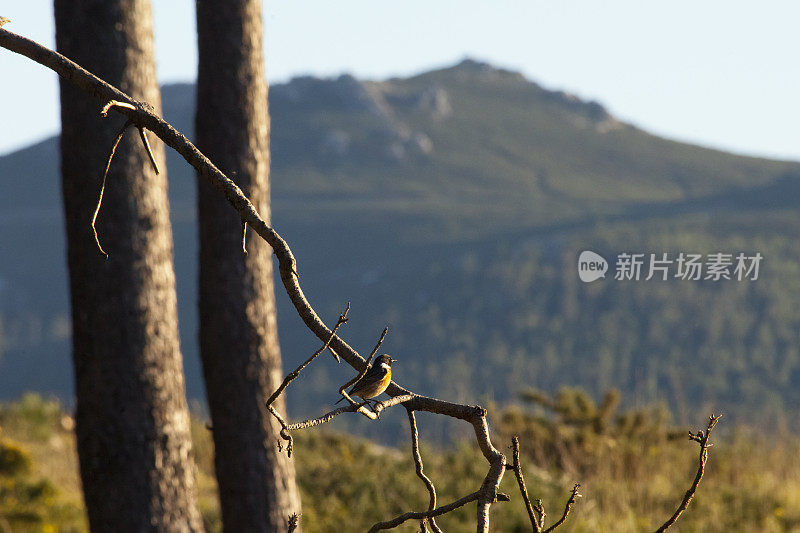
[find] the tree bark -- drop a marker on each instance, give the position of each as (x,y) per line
(132,420)
(238,335)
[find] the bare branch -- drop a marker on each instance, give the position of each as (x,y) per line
(244,239)
(412,422)
(488,491)
(539,508)
(377,408)
(291,376)
(703,439)
(147,148)
(373,414)
(537,524)
(141,115)
(115,103)
(343,388)
(419,515)
(377,345)
(327,417)
(103,185)
(574,495)
(142,135)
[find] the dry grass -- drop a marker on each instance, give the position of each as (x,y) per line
(752,481)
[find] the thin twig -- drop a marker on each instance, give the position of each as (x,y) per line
(291,376)
(147,148)
(116,103)
(444,509)
(374,414)
(125,105)
(377,345)
(703,439)
(244,240)
(327,417)
(343,388)
(574,495)
(283,432)
(293,522)
(412,422)
(103,186)
(535,523)
(539,508)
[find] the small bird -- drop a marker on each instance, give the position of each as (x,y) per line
(375,380)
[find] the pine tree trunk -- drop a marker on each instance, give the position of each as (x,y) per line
(238,336)
(132,420)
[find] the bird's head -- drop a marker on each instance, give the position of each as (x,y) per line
(384,359)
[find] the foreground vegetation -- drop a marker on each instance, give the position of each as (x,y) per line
(633,468)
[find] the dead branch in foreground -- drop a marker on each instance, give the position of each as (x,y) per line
(536,522)
(701,438)
(536,513)
(141,115)
(412,422)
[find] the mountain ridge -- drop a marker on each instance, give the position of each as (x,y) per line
(452,205)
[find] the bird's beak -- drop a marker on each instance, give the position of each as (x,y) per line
(393,360)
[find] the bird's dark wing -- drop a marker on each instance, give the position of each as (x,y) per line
(375,373)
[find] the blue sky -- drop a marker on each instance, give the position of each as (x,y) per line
(718,73)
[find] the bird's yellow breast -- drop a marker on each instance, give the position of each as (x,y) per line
(375,388)
(382,384)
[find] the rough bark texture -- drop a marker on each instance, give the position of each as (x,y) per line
(238,336)
(132,420)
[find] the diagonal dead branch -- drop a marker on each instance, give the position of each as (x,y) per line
(536,523)
(703,439)
(103,186)
(141,115)
(412,422)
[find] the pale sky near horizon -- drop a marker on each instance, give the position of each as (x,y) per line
(721,73)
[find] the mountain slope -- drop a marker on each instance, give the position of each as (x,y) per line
(452,205)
